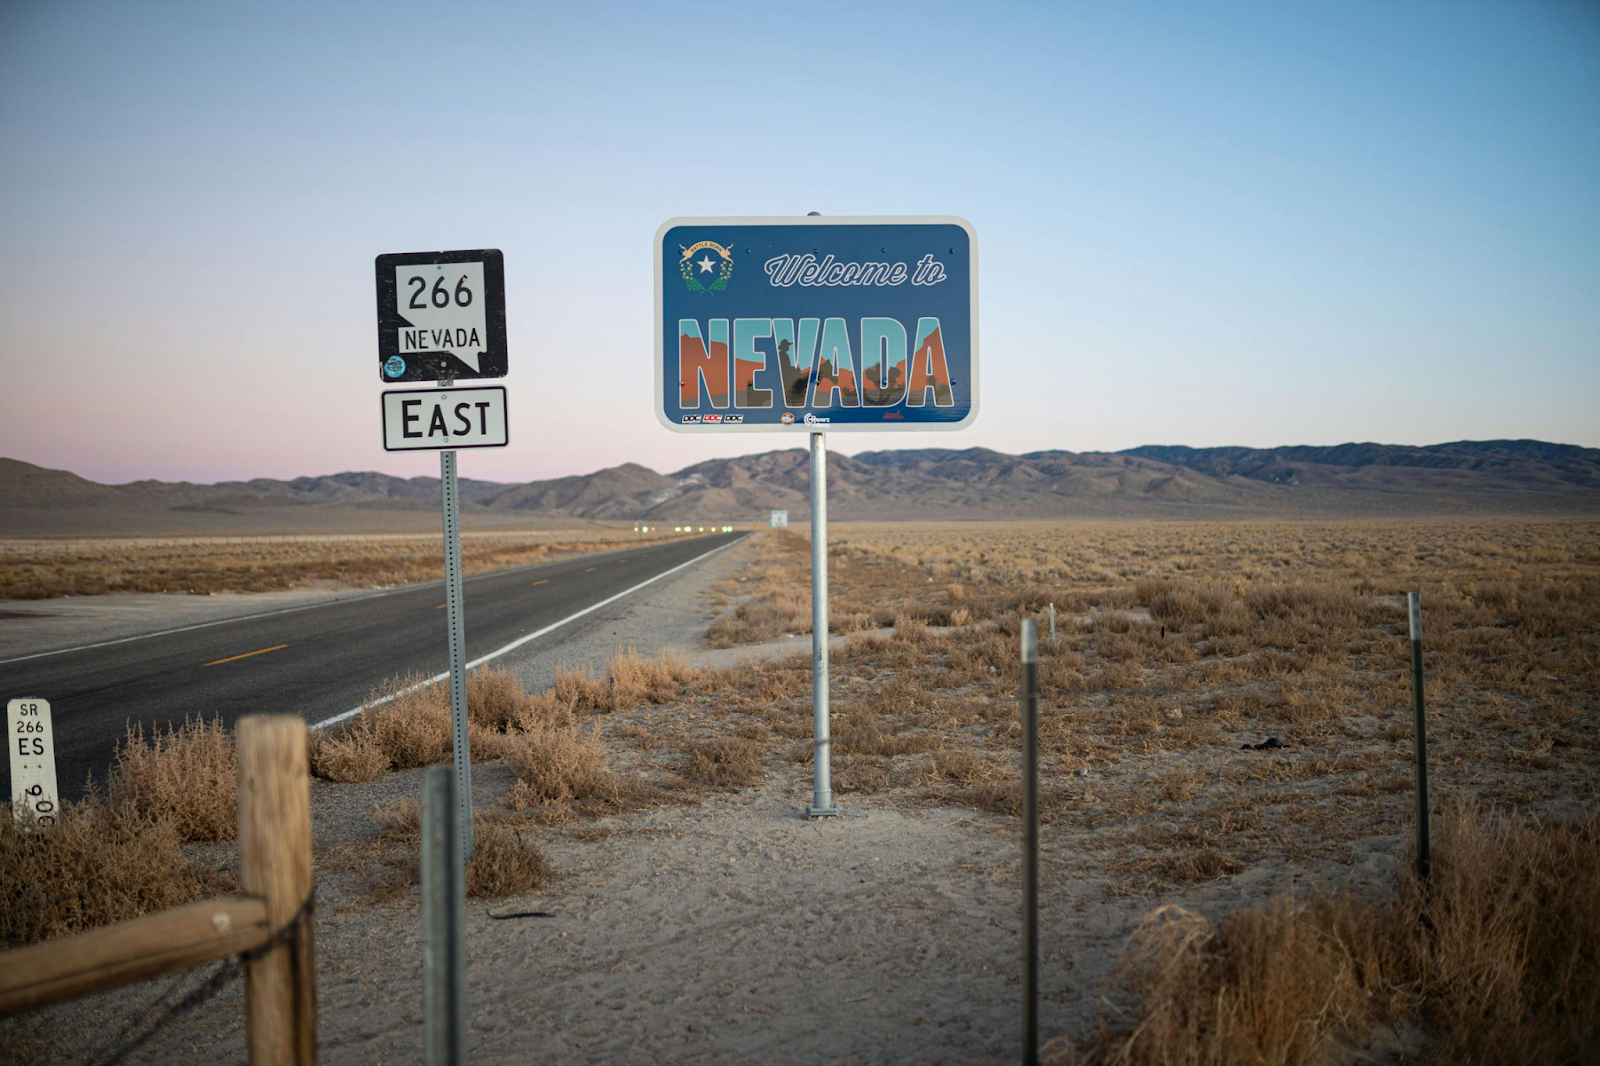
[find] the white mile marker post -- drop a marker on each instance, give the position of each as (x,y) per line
(33,762)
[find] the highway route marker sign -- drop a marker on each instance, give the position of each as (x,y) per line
(33,760)
(441,315)
(440,419)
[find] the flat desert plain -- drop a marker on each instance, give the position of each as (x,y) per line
(1226,756)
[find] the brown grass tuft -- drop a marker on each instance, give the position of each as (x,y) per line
(727,762)
(495,698)
(1511,972)
(98,864)
(349,756)
(558,764)
(406,725)
(1500,955)
(505,861)
(188,774)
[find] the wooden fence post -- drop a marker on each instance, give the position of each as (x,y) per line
(275,865)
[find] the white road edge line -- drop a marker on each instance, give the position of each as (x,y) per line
(291,610)
(520,641)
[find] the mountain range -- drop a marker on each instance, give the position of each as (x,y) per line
(1155,481)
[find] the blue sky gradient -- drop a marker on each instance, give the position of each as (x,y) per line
(1247,223)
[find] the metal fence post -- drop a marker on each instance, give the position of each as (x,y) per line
(822,805)
(1028,697)
(455,618)
(444,957)
(1420,720)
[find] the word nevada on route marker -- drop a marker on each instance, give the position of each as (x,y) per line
(438,419)
(816,324)
(441,315)
(33,760)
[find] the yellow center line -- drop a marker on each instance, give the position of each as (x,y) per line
(541,581)
(588,569)
(439,606)
(623,559)
(246,655)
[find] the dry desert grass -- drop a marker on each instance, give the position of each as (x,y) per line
(1496,961)
(1178,645)
(34,569)
(99,863)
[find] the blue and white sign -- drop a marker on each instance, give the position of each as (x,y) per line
(816,323)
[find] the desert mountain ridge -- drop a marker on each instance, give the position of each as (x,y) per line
(1152,481)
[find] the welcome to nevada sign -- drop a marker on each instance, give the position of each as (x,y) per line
(816,323)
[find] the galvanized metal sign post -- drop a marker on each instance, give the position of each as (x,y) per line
(442,317)
(444,957)
(809,325)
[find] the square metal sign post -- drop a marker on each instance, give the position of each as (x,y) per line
(442,317)
(806,325)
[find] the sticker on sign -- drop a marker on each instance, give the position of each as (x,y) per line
(33,761)
(444,419)
(441,315)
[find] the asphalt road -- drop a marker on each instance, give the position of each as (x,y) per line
(317,661)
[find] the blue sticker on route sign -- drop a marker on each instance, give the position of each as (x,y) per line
(395,366)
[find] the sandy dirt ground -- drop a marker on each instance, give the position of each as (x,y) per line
(732,931)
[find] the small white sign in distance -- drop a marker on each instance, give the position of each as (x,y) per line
(445,419)
(33,761)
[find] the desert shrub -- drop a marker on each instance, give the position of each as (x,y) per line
(1281,984)
(399,823)
(189,774)
(412,724)
(505,861)
(554,764)
(495,698)
(99,863)
(1322,604)
(351,755)
(632,681)
(1511,971)
(780,610)
(1499,954)
(406,724)
(628,681)
(727,762)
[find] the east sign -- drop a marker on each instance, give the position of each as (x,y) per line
(810,323)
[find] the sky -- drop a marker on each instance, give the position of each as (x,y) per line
(1206,224)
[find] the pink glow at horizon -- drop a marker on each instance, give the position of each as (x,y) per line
(1399,242)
